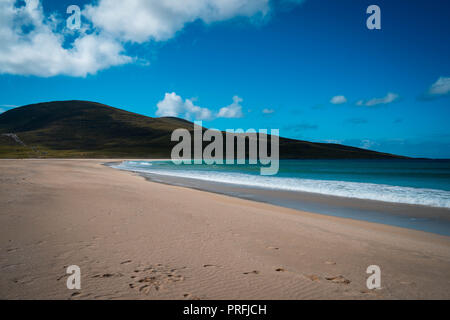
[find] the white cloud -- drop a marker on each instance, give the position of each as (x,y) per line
(338,100)
(367,144)
(196,112)
(143,20)
(234,110)
(389,98)
(173,106)
(438,89)
(46,48)
(268,111)
(40,51)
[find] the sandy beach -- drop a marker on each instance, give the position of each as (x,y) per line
(136,239)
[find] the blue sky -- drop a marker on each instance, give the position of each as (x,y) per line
(282,61)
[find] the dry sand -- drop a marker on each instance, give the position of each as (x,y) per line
(135,239)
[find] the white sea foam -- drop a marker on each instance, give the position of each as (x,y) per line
(138,163)
(371,191)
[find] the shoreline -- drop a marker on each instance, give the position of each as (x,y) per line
(120,229)
(411,216)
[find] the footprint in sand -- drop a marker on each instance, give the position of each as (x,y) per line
(373,292)
(25,280)
(146,288)
(279,270)
(108,275)
(210,265)
(313,277)
(273,248)
(252,272)
(338,279)
(330,262)
(11,266)
(154,277)
(126,262)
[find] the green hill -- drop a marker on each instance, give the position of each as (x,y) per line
(82,129)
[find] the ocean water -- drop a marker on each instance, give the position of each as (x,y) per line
(415,182)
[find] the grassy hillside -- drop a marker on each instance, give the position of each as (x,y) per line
(82,129)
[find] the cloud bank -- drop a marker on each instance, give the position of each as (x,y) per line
(30,44)
(143,20)
(34,44)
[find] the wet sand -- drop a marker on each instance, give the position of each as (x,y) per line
(418,217)
(136,239)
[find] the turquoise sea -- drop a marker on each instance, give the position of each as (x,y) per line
(418,182)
